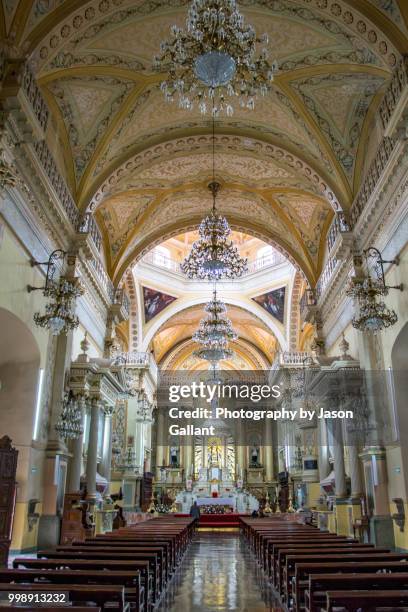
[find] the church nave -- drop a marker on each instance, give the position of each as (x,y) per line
(219,573)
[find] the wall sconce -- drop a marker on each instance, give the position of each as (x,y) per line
(373,315)
(59,314)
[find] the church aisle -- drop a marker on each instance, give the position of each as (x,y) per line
(217,574)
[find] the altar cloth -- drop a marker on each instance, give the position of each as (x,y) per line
(216,501)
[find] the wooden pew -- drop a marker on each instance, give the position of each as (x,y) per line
(320,584)
(300,581)
(267,541)
(271,543)
(134,591)
(281,551)
(138,551)
(103,555)
(97,565)
(147,540)
(101,594)
(290,560)
(169,542)
(369,601)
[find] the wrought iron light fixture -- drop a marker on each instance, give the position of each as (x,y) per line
(373,315)
(59,314)
(215,60)
(69,425)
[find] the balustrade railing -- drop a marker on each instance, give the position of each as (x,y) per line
(338,226)
(161,261)
(273,259)
(138,359)
(374,173)
(89,226)
(325,276)
(35,98)
(104,280)
(46,160)
(122,299)
(394,91)
(290,359)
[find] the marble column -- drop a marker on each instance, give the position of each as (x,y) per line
(159,443)
(92,454)
(188,455)
(268,451)
(240,459)
(355,472)
(139,443)
(105,468)
(338,452)
(75,466)
(56,455)
(323,449)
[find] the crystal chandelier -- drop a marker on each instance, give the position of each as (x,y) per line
(373,315)
(59,314)
(69,425)
(213,256)
(214,333)
(215,60)
(215,327)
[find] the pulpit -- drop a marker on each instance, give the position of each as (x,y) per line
(8,468)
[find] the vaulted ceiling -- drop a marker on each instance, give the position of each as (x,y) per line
(174,348)
(143,166)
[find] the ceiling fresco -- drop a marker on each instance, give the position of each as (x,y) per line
(142,166)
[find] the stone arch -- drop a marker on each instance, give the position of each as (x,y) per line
(182,304)
(191,225)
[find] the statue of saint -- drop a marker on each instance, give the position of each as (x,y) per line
(254,456)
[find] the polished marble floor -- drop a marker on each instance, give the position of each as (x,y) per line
(218,573)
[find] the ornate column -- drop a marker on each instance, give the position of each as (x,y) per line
(75,466)
(159,443)
(374,455)
(342,523)
(105,467)
(56,455)
(338,452)
(323,448)
(92,454)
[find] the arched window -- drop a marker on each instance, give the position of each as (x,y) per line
(264,252)
(161,256)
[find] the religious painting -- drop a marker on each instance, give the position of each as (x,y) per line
(273,302)
(154,302)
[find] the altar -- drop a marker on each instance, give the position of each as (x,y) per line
(216,501)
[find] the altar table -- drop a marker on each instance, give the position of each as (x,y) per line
(216,501)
